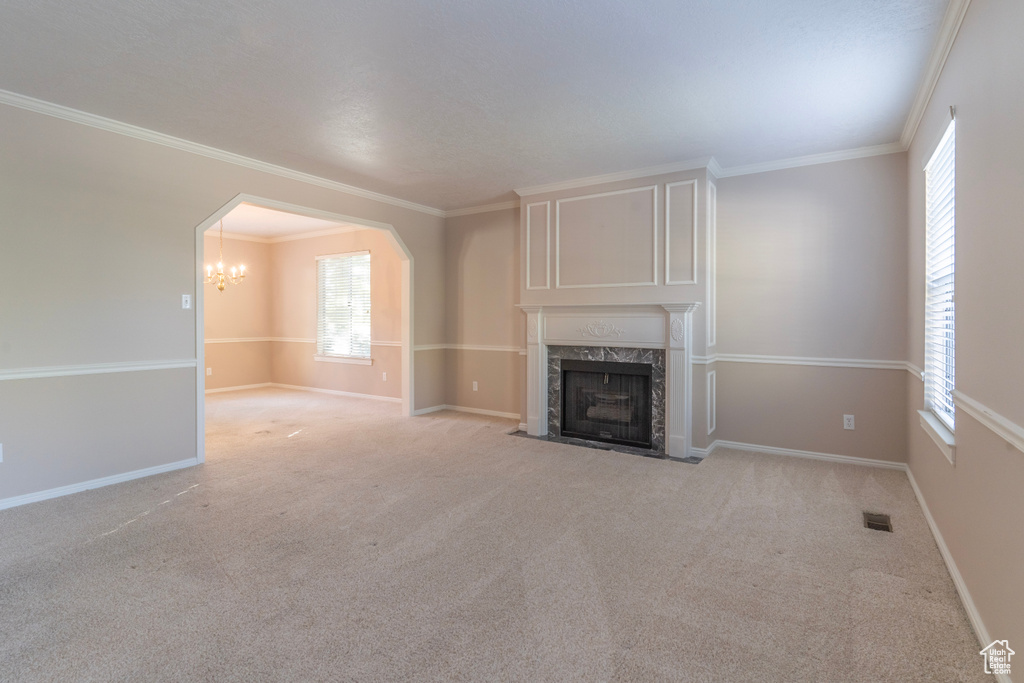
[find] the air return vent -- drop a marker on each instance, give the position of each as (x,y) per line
(877,521)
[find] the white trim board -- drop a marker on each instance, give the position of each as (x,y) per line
(110,125)
(668,233)
(484,208)
(464,409)
(653,189)
(244,340)
(1003,427)
(958,580)
(691,165)
(94,369)
(810,455)
(813,159)
(804,360)
(241,387)
(335,392)
(468,347)
(94,484)
(956,10)
(547,245)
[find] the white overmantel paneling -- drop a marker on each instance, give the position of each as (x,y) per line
(629,242)
(666,326)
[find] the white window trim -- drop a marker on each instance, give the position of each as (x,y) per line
(351,360)
(940,433)
(939,424)
(322,358)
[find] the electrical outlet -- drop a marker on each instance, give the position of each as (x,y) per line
(847,421)
(474,386)
(186,301)
(209,371)
(384,375)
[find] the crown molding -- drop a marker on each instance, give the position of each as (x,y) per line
(110,125)
(287,238)
(212,232)
(714,168)
(951,21)
(691,165)
(812,159)
(485,208)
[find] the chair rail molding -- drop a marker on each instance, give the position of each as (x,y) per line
(1005,428)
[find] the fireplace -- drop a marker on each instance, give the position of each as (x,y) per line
(629,409)
(607,401)
(659,335)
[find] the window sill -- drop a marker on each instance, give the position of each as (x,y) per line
(351,360)
(943,438)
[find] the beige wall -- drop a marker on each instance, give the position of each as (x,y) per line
(277,303)
(802,407)
(977,504)
(812,261)
(812,264)
(116,216)
(481,292)
(239,312)
(293,309)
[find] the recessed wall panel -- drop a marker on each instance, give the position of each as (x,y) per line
(538,231)
(606,239)
(681,233)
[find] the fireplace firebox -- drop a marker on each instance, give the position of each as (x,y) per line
(607,401)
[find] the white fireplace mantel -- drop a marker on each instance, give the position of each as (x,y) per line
(652,326)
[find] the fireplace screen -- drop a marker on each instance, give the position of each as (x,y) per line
(607,401)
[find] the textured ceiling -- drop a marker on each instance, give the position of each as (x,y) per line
(258,221)
(454,103)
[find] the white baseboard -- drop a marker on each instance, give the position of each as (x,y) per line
(703,452)
(481,411)
(829,457)
(522,426)
(335,392)
(475,411)
(961,588)
(15,501)
(241,387)
(431,409)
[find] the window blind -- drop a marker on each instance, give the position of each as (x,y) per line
(343,305)
(939,337)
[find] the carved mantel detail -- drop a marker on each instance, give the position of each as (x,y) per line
(677,330)
(600,329)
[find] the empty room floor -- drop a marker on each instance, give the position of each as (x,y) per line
(329,538)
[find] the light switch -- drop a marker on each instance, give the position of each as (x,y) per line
(186,301)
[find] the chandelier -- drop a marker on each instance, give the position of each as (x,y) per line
(220,278)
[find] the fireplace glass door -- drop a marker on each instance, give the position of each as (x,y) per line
(607,401)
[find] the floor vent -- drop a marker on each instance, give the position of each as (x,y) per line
(877,521)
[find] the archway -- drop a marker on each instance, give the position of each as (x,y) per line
(394,239)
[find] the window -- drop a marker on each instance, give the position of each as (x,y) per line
(343,306)
(939,337)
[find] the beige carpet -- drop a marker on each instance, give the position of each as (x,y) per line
(330,539)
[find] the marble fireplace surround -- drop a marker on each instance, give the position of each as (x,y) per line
(653,357)
(597,330)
